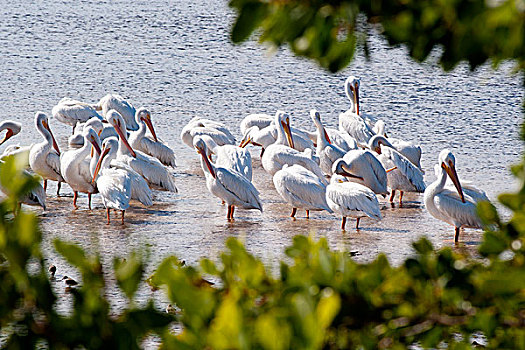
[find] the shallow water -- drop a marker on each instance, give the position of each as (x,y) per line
(176,59)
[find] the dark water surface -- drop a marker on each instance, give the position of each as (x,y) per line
(176,59)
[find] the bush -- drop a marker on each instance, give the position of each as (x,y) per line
(322,299)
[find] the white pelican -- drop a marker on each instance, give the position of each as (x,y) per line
(268,135)
(278,154)
(75,169)
(351,120)
(12,128)
(140,190)
(114,185)
(71,112)
(443,203)
(337,138)
(118,103)
(406,148)
(325,151)
(230,157)
(351,199)
(232,187)
(260,120)
(200,126)
(151,146)
(364,168)
(301,188)
(150,168)
(402,174)
(43,159)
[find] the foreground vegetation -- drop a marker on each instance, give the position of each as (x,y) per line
(321,299)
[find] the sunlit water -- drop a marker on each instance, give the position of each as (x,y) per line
(176,59)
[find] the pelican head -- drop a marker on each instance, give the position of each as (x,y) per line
(377,141)
(143,115)
(341,168)
(42,122)
(352,91)
(12,128)
(316,117)
(94,123)
(282,120)
(115,119)
(448,162)
(201,148)
(91,136)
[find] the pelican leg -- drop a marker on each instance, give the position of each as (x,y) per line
(59,185)
(400,197)
(343,223)
(75,196)
(357,223)
(308,214)
(233,209)
(228,216)
(294,210)
(456,236)
(107,214)
(262,151)
(89,201)
(392,195)
(45,185)
(123,216)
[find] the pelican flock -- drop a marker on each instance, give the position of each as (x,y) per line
(115,151)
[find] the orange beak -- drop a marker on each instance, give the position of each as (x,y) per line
(451,171)
(287,131)
(207,161)
(149,124)
(125,140)
(8,135)
(55,145)
(97,168)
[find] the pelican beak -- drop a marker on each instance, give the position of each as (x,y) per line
(125,140)
(356,99)
(326,136)
(245,142)
(288,132)
(94,146)
(149,124)
(207,161)
(451,171)
(7,136)
(391,169)
(346,173)
(55,145)
(97,168)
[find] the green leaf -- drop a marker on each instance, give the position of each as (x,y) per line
(250,16)
(128,273)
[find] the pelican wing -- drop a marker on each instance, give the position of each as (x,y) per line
(356,127)
(139,187)
(260,120)
(53,160)
(353,196)
(455,211)
(240,187)
(407,168)
(158,150)
(302,186)
(152,170)
(236,158)
(114,186)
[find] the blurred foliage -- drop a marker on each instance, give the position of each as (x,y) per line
(328,31)
(28,316)
(320,299)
